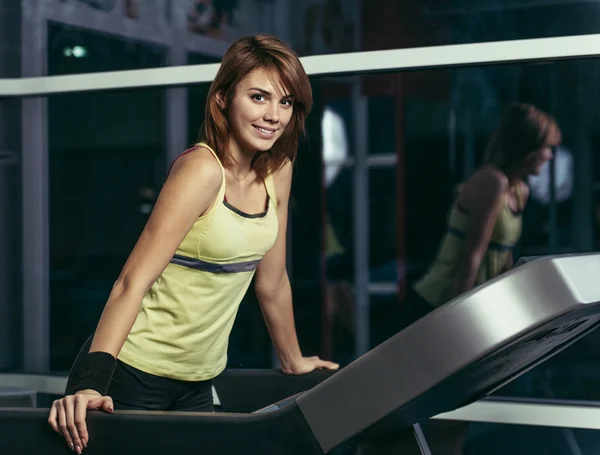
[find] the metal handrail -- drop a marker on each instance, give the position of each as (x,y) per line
(528,50)
(499,410)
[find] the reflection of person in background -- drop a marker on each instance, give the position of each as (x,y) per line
(219,221)
(209,17)
(485,221)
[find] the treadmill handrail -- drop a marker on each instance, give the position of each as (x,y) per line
(496,409)
(548,294)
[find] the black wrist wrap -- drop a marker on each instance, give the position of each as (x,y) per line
(91,371)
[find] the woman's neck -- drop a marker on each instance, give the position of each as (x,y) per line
(514,178)
(241,160)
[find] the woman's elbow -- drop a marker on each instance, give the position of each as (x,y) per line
(126,286)
(268,290)
(473,262)
(473,258)
(265,293)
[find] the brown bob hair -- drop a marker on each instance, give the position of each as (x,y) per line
(524,129)
(245,55)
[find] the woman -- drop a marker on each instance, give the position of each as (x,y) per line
(483,226)
(219,220)
(485,220)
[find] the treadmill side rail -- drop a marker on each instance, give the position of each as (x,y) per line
(461,351)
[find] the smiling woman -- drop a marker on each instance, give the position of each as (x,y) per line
(219,220)
(257,90)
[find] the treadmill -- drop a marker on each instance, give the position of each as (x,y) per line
(459,353)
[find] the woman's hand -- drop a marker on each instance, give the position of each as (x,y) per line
(305,365)
(67,416)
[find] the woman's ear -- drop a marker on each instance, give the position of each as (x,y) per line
(221,100)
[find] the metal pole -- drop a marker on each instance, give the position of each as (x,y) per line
(583,227)
(362,323)
(421,439)
(361,223)
(34,168)
(553,237)
(10,193)
(176,99)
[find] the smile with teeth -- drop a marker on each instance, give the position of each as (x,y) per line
(265,131)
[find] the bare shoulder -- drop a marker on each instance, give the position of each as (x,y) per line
(282,177)
(284,172)
(491,177)
(489,181)
(485,186)
(199,168)
(282,180)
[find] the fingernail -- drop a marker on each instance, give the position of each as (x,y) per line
(78,450)
(110,408)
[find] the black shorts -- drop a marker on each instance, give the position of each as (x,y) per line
(132,389)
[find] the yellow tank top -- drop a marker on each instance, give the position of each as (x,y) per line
(436,285)
(183,327)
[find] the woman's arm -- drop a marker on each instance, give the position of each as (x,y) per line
(274,292)
(486,195)
(189,191)
(508,264)
(523,195)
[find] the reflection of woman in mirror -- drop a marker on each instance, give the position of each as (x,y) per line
(483,226)
(484,223)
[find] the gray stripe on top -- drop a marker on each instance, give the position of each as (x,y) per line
(491,245)
(211,267)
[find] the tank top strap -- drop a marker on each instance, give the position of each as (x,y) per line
(206,146)
(270,185)
(519,197)
(221,195)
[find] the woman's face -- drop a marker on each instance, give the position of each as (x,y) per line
(259,111)
(536,160)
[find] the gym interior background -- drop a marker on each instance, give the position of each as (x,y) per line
(80,168)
